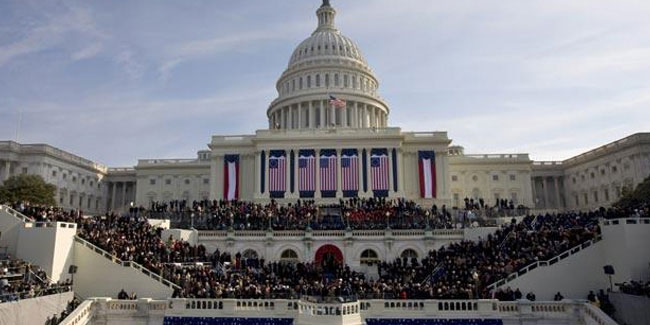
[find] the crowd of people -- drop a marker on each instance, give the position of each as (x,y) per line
(460,270)
(637,288)
(22,280)
(356,214)
(70,307)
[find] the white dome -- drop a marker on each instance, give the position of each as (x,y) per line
(327,65)
(326,43)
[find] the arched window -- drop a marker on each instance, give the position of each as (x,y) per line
(300,83)
(308,81)
(289,255)
(327,80)
(409,253)
(336,80)
(249,253)
(317,80)
(369,257)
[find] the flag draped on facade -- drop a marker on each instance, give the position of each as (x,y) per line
(277,173)
(427,167)
(328,173)
(379,172)
(231,177)
(350,172)
(307,173)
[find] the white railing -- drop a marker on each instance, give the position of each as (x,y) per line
(82,315)
(594,315)
(16,214)
(130,264)
(627,221)
(573,311)
(569,252)
(221,234)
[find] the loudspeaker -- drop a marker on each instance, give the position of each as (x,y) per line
(72,269)
(609,270)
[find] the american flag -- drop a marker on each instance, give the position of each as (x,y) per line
(339,103)
(277,172)
(306,171)
(328,170)
(379,171)
(350,170)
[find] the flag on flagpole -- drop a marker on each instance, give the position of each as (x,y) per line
(307,173)
(231,177)
(427,168)
(338,103)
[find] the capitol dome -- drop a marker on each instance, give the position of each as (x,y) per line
(324,66)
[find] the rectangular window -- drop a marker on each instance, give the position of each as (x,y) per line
(168,182)
(495,177)
(24,170)
(336,80)
(308,81)
(65,176)
(606,194)
(586,197)
(596,196)
(54,173)
(345,81)
(152,182)
(317,80)
(300,86)
(513,177)
(454,178)
(206,181)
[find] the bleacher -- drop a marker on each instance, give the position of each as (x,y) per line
(22,280)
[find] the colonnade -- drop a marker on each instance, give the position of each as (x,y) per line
(545,197)
(320,114)
(363,191)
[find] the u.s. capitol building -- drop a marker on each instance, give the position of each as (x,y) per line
(328,138)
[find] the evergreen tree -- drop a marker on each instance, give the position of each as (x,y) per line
(29,188)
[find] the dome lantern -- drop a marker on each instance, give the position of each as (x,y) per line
(326,15)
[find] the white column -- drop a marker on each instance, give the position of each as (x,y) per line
(317,183)
(534,192)
(364,116)
(556,181)
(123,194)
(323,122)
(332,115)
(113,205)
(291,122)
(282,126)
(355,115)
(547,195)
(373,117)
(299,115)
(344,117)
(339,185)
(312,118)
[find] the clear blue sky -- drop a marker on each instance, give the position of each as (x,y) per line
(117,81)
